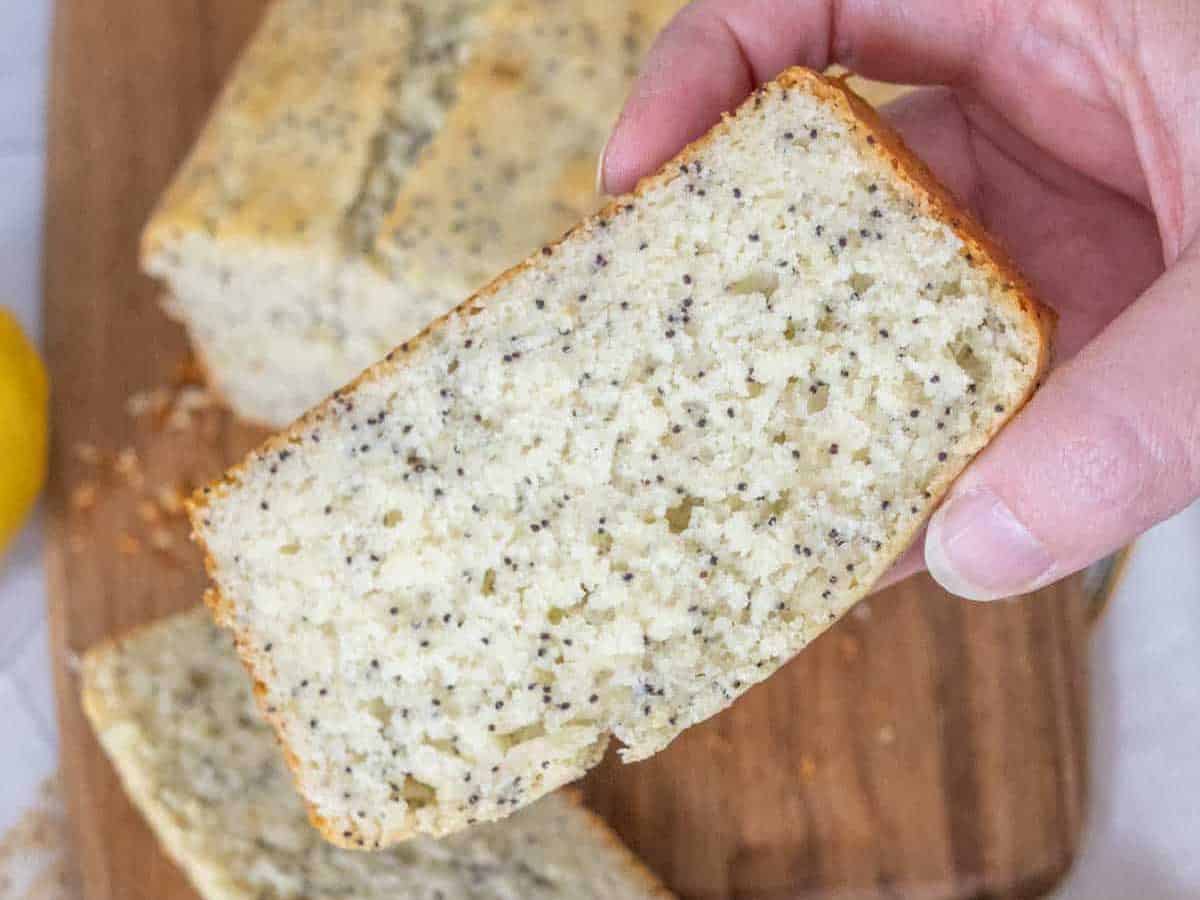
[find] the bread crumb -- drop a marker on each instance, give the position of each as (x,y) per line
(87,453)
(170,498)
(808,769)
(188,401)
(173,405)
(83,497)
(128,545)
(188,371)
(156,509)
(129,467)
(141,403)
(849,647)
(161,539)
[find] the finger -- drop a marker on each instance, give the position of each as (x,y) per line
(1087,249)
(715,51)
(1109,447)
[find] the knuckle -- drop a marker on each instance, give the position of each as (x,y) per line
(1129,464)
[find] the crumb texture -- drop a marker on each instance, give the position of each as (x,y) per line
(627,483)
(173,708)
(355,139)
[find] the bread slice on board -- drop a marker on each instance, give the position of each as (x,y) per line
(278,241)
(173,708)
(628,479)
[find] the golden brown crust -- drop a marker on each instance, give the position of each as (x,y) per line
(222,612)
(876,137)
(273,85)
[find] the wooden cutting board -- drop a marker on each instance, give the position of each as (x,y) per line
(923,748)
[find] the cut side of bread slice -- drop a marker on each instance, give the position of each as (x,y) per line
(627,480)
(289,240)
(173,709)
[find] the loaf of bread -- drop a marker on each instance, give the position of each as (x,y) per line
(172,707)
(285,240)
(625,481)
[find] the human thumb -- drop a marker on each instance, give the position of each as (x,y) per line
(1107,448)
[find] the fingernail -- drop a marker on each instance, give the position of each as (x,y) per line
(600,169)
(976,548)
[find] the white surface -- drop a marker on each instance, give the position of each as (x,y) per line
(1144,836)
(28,747)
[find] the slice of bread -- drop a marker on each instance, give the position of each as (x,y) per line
(174,711)
(627,480)
(277,238)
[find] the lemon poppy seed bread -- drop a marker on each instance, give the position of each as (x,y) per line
(287,240)
(627,480)
(173,709)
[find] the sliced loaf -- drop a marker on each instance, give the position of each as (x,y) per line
(627,480)
(264,236)
(276,238)
(172,707)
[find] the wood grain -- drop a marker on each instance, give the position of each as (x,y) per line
(923,748)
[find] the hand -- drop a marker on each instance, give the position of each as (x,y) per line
(1072,131)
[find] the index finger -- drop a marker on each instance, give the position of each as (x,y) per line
(714,52)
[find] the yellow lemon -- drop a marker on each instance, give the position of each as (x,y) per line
(24,426)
